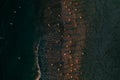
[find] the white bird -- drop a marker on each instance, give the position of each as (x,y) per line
(1,37)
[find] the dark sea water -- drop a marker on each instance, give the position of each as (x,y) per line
(16,47)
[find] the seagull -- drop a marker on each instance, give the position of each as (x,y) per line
(1,37)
